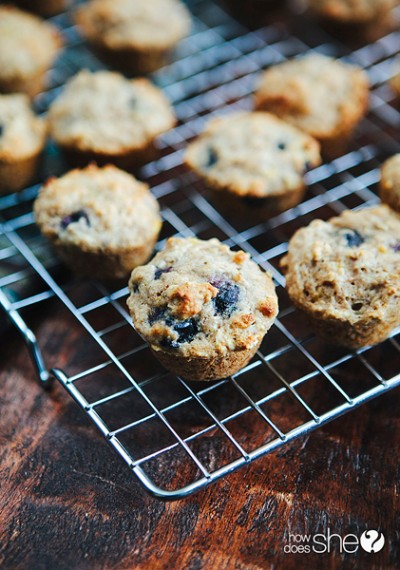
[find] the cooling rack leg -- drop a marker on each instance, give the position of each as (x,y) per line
(29,338)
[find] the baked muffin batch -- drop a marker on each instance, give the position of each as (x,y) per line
(203,308)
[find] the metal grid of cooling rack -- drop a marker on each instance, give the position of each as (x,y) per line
(179,436)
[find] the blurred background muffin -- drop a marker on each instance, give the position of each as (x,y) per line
(106,118)
(364,19)
(137,35)
(22,139)
(28,48)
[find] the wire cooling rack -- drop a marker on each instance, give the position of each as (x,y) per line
(166,429)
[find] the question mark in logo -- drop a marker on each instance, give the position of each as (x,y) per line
(372,540)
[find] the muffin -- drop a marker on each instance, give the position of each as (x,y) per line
(344,274)
(395,82)
(317,94)
(203,308)
(136,35)
(353,11)
(22,139)
(389,188)
(102,222)
(363,19)
(44,7)
(28,48)
(253,162)
(105,117)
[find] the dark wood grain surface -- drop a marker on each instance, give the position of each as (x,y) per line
(66,501)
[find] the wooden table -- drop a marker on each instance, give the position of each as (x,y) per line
(67,502)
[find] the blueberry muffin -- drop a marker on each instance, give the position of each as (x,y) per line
(101,221)
(344,274)
(45,8)
(136,35)
(317,94)
(364,20)
(203,308)
(253,162)
(28,48)
(389,188)
(22,139)
(105,117)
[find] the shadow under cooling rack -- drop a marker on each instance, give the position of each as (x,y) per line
(178,436)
